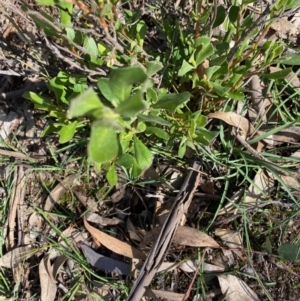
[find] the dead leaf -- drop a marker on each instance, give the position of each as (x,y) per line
(168,295)
(167,267)
(58,191)
(186,236)
(236,120)
(74,236)
(87,202)
(285,29)
(13,257)
(132,231)
(257,97)
(17,155)
(103,221)
(48,284)
(114,244)
(288,135)
(232,239)
(35,225)
(104,263)
(190,266)
(236,289)
(8,124)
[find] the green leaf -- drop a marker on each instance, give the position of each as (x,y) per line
(292,4)
(221,15)
(126,161)
(236,95)
(84,104)
(103,145)
(278,74)
(40,102)
(153,67)
(66,12)
(205,51)
(211,71)
(92,49)
(292,59)
(45,26)
(185,68)
(171,102)
(233,13)
(111,175)
(289,252)
(121,80)
(151,95)
(201,120)
(67,132)
(46,2)
(136,170)
(132,105)
(219,89)
(103,85)
(158,132)
(141,29)
(154,119)
(59,89)
(182,147)
(142,154)
(205,136)
(70,33)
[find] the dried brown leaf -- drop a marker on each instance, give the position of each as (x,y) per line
(235,120)
(232,239)
(289,135)
(101,220)
(168,295)
(284,28)
(114,244)
(13,257)
(186,236)
(236,289)
(190,266)
(48,283)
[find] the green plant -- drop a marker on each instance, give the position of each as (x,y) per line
(65,87)
(134,111)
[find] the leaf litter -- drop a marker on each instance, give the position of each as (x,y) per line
(261,187)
